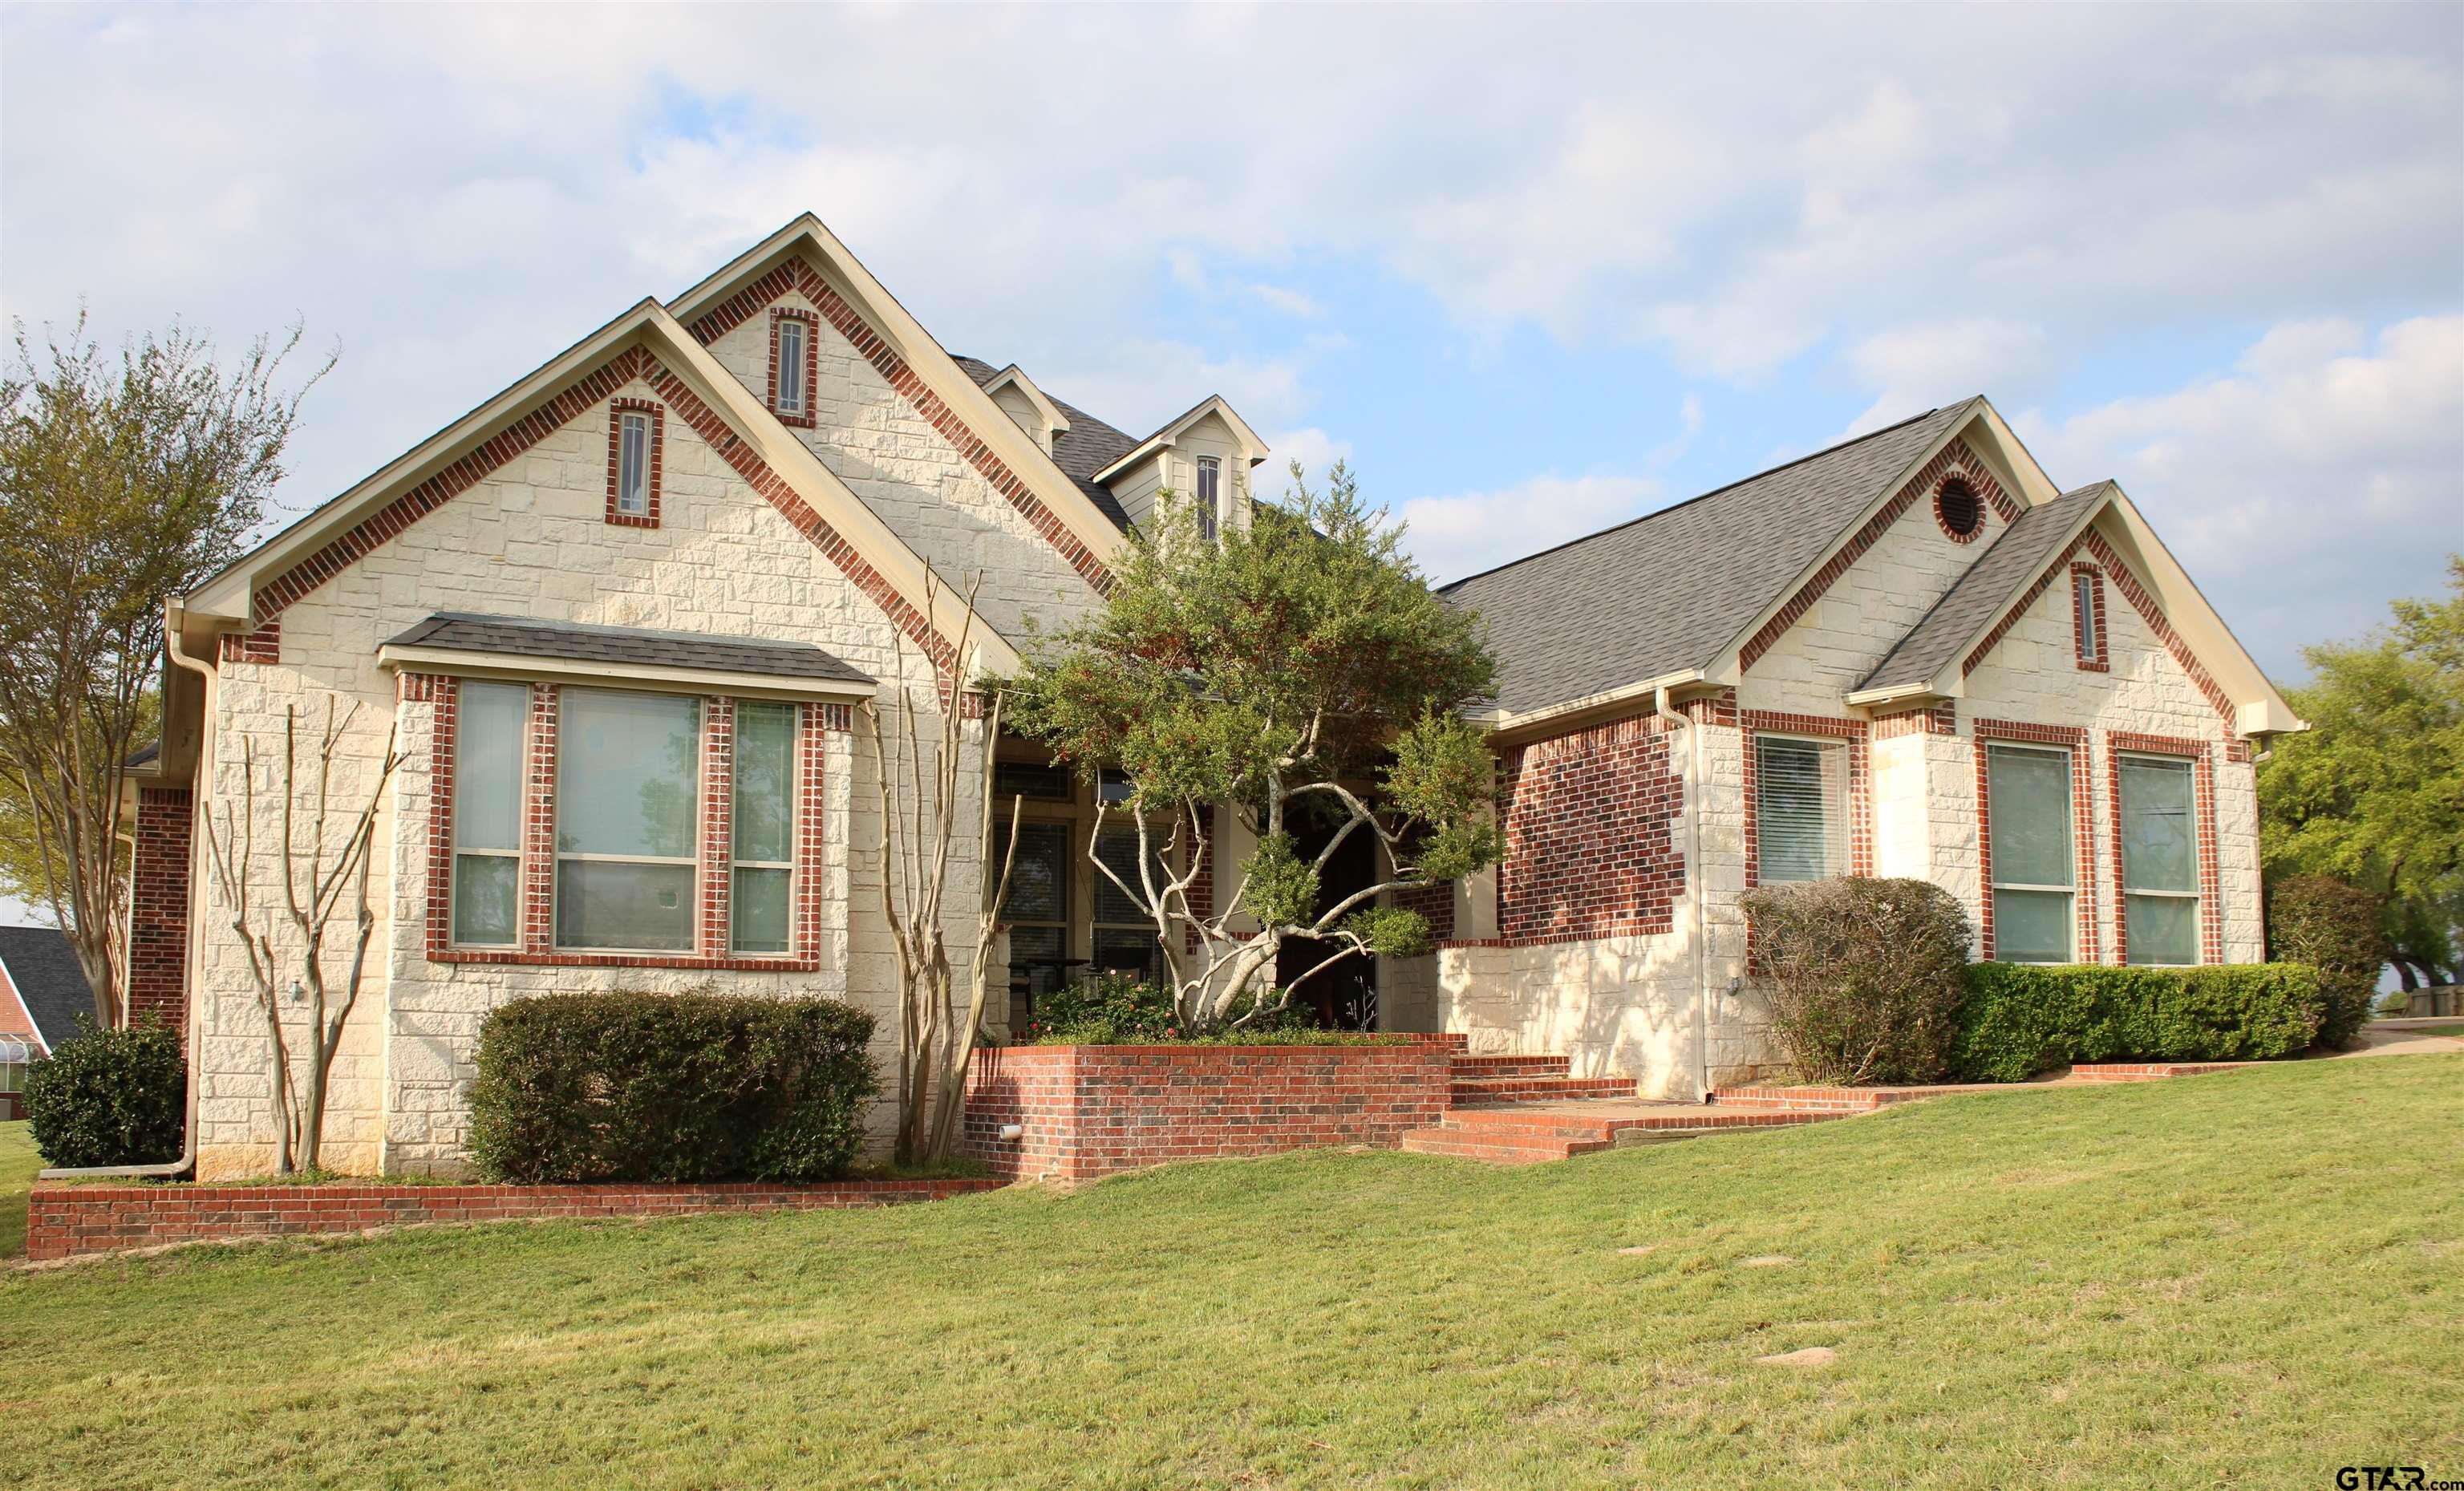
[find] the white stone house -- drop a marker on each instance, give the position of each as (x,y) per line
(622,619)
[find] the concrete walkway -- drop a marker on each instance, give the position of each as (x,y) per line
(2403,1037)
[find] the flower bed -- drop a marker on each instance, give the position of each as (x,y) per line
(1081,1111)
(67,1220)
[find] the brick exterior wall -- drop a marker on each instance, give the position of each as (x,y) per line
(158,907)
(1090,1111)
(67,1221)
(1589,850)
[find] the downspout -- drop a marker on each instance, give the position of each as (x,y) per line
(1694,796)
(173,1170)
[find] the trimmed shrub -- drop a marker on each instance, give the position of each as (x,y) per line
(1864,975)
(110,1097)
(2022,1019)
(2338,930)
(629,1085)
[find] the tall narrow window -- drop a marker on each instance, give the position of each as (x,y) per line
(1800,809)
(488,734)
(2160,859)
(1210,496)
(633,466)
(626,777)
(1124,935)
(1037,910)
(2087,618)
(763,795)
(791,392)
(2028,809)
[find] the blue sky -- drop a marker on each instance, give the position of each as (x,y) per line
(1532,270)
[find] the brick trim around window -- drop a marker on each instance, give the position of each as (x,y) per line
(806,419)
(2087,642)
(617,410)
(2117,742)
(2083,875)
(714,875)
(1860,837)
(1931,720)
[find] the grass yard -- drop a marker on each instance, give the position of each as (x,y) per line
(18,1163)
(2247,1279)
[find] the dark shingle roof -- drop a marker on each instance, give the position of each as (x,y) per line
(1667,592)
(510,636)
(49,978)
(1970,605)
(1087,447)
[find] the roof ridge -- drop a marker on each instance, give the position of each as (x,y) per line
(1702,496)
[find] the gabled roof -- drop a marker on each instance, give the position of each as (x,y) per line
(1172,430)
(41,966)
(1978,598)
(631,646)
(1087,447)
(1670,592)
(1015,377)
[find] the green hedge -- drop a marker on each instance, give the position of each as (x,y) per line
(669,1087)
(2019,1020)
(109,1097)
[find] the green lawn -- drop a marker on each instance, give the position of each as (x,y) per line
(2246,1280)
(18,1163)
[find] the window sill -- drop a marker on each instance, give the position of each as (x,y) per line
(729,962)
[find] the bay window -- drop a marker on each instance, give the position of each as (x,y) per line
(2029,838)
(2160,859)
(1800,808)
(628,775)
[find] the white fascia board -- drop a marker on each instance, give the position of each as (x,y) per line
(1044,408)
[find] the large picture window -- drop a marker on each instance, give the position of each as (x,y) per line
(1800,809)
(488,814)
(762,813)
(2160,859)
(2029,811)
(627,777)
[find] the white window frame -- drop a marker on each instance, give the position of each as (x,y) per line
(456,850)
(793,339)
(632,464)
(2124,890)
(2070,893)
(1210,503)
(795,824)
(1839,827)
(558,855)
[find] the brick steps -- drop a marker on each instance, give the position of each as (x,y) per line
(1514,1135)
(1538,1089)
(1476,1067)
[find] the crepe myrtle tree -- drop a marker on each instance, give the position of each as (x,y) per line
(1301,662)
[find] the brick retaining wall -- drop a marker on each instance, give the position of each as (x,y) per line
(1088,1110)
(66,1220)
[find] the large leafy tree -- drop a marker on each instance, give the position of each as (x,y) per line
(2373,792)
(124,480)
(1302,663)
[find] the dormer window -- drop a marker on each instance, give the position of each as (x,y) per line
(792,364)
(1210,496)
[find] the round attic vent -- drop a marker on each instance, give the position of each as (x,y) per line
(1956,508)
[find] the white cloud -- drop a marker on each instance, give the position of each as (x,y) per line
(1472,530)
(1313,448)
(1915,368)
(2319,478)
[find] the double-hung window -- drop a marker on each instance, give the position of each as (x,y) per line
(634,464)
(628,780)
(762,815)
(489,737)
(2027,807)
(1800,808)
(788,392)
(1210,496)
(2160,859)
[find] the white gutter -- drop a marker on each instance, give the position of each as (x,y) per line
(1694,890)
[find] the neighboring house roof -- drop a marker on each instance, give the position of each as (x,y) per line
(1670,591)
(1979,597)
(43,969)
(1087,447)
(507,636)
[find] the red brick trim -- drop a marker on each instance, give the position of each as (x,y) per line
(2082,827)
(582,394)
(262,644)
(2087,642)
(538,821)
(2212,935)
(713,873)
(157,955)
(798,275)
(69,1222)
(1860,837)
(812,362)
(617,410)
(1931,720)
(1942,518)
(1955,460)
(1590,846)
